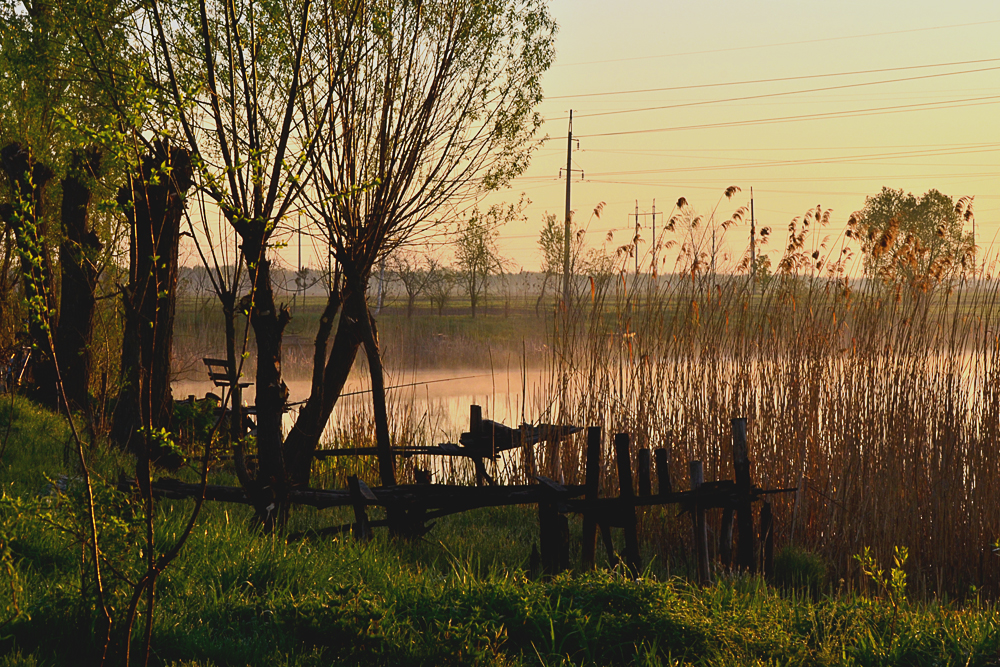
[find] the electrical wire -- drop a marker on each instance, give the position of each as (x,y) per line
(784,93)
(778,44)
(875,111)
(782,79)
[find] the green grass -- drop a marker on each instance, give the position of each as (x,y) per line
(460,596)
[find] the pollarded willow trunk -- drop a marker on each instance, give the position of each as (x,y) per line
(331,367)
(78,257)
(270,488)
(153,203)
(24,217)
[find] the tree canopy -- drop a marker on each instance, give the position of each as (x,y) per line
(914,241)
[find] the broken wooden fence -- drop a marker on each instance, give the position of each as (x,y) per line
(421,503)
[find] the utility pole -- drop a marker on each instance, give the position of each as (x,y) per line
(653,267)
(569,213)
(298,274)
(635,239)
(753,238)
(566,232)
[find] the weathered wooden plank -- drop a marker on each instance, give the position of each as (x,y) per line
(551,484)
(767,537)
(746,550)
(726,537)
(643,464)
(624,460)
(663,472)
(592,484)
(362,531)
(700,526)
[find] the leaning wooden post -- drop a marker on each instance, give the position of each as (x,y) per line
(663,472)
(627,499)
(645,485)
(361,530)
(745,557)
(476,430)
(591,488)
(700,526)
(767,537)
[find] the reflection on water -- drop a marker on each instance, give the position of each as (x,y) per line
(431,406)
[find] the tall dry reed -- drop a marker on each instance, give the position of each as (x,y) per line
(879,403)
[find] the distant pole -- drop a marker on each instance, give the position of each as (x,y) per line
(566,232)
(298,274)
(653,268)
(635,241)
(753,233)
(973,246)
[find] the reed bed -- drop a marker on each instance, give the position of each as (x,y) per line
(879,405)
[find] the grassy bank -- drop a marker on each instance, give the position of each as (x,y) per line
(463,595)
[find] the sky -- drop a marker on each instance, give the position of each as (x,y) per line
(808,103)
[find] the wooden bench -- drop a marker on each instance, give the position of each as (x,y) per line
(218,373)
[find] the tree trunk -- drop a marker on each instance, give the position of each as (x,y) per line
(153,203)
(386,461)
(27,178)
(330,371)
(78,256)
(473,294)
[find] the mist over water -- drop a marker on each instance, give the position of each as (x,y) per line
(433,401)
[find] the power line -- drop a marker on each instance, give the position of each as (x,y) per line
(774,80)
(660,151)
(786,93)
(777,44)
(984,148)
(818,179)
(875,111)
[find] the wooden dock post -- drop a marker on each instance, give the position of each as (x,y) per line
(592,486)
(767,537)
(547,536)
(476,429)
(553,529)
(700,526)
(627,497)
(645,485)
(361,530)
(663,486)
(746,551)
(726,538)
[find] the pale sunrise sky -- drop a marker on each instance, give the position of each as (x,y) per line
(807,102)
(939,129)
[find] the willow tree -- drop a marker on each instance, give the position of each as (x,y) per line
(233,76)
(434,105)
(382,117)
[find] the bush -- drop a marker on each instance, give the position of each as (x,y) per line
(796,567)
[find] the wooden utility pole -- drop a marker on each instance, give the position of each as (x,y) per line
(653,267)
(753,239)
(566,233)
(635,239)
